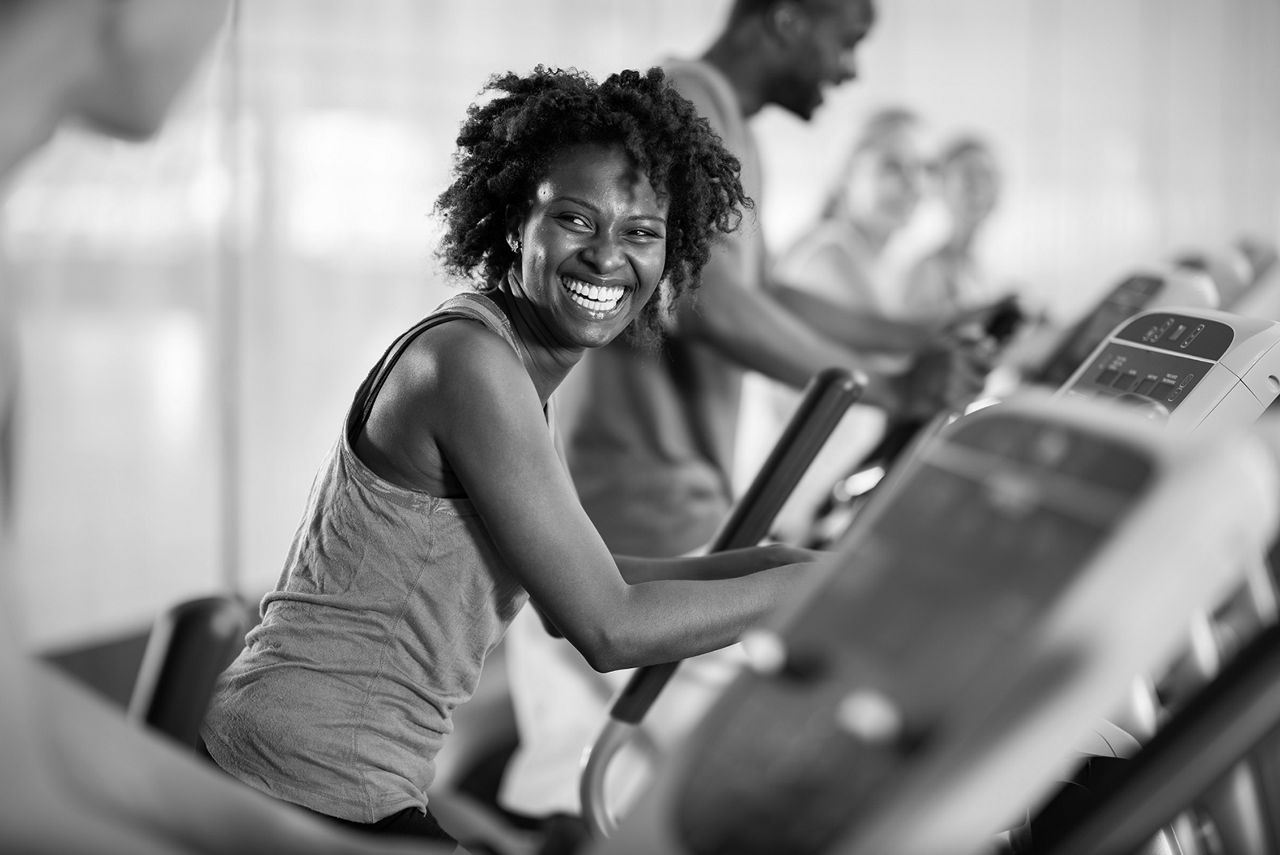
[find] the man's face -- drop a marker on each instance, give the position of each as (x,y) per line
(820,52)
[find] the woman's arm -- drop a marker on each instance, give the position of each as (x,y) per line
(474,404)
(730,564)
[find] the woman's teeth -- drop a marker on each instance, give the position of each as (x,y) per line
(598,299)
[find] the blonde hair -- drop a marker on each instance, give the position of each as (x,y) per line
(877,127)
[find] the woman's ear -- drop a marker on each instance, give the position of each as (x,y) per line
(514,223)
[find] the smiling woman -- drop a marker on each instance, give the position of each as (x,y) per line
(664,148)
(579,211)
(592,246)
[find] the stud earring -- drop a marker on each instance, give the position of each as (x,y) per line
(515,245)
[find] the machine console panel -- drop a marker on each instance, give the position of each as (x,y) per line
(1129,297)
(1193,366)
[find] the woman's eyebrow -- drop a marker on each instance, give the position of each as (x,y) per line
(648,218)
(578,201)
(661,218)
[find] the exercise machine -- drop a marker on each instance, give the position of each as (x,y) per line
(989,605)
(1196,369)
(1205,371)
(1035,360)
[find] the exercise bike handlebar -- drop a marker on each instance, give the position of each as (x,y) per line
(826,399)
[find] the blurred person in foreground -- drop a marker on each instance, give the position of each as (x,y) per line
(74,775)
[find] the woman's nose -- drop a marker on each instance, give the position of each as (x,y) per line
(604,253)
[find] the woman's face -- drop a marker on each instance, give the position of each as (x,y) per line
(971,186)
(887,181)
(594,245)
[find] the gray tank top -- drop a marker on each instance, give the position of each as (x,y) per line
(389,602)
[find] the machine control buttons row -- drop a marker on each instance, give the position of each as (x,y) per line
(1166,388)
(1199,337)
(1123,370)
(1175,332)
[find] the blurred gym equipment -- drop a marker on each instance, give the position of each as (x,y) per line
(992,602)
(189,645)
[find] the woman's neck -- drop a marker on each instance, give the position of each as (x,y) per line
(546,361)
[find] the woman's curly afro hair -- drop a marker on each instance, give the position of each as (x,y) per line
(507,143)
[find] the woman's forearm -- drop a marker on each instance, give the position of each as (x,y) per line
(730,564)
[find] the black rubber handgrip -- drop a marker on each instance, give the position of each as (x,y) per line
(826,399)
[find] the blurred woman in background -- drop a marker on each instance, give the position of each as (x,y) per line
(951,277)
(842,259)
(872,199)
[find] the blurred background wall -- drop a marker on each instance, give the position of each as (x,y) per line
(195,313)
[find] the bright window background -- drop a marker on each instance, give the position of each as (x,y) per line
(196,312)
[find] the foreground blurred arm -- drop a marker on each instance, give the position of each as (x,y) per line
(75,776)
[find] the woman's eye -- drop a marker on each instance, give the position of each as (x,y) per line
(576,220)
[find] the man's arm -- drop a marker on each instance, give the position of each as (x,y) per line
(752,329)
(860,330)
(870,330)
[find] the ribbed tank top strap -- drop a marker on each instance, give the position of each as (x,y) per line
(471,305)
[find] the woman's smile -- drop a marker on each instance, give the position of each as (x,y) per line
(600,300)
